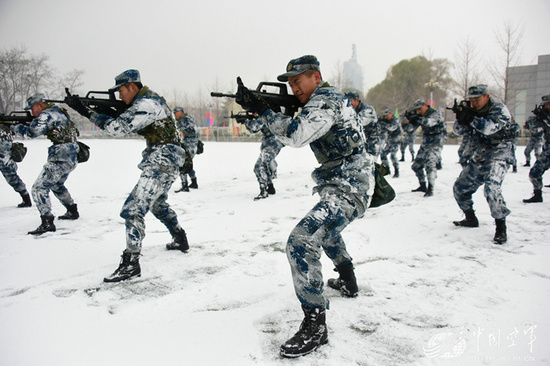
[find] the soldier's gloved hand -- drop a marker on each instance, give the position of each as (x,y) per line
(246,99)
(464,116)
(74,102)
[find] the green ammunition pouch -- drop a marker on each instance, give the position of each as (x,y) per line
(339,142)
(160,132)
(18,152)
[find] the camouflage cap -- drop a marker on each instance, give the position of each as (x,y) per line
(179,109)
(299,66)
(352,95)
(388,111)
(419,103)
(35,98)
(128,76)
(477,91)
(546,98)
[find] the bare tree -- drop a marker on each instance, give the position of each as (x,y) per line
(509,40)
(465,67)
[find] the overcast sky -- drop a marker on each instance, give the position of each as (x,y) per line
(192,45)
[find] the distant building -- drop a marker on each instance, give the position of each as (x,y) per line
(527,85)
(353,74)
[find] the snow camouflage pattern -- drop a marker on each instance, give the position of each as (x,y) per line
(433,138)
(55,124)
(465,150)
(188,128)
(344,181)
(8,167)
(493,154)
(265,167)
(371,128)
(149,116)
(409,135)
(543,161)
(535,140)
(392,129)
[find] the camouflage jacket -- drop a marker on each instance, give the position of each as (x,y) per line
(371,128)
(186,125)
(329,125)
(492,133)
(392,129)
(54,123)
(433,127)
(148,115)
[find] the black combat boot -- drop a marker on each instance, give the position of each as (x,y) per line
(500,233)
(46,225)
(26,201)
(270,189)
(71,214)
(194,184)
(128,268)
(312,334)
(402,157)
(527,163)
(429,191)
(396,171)
(263,194)
(179,241)
(514,168)
(421,188)
(184,188)
(537,197)
(346,283)
(470,220)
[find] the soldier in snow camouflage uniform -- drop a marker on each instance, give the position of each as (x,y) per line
(429,154)
(345,183)
(392,129)
(8,167)
(535,140)
(409,135)
(369,120)
(186,125)
(266,165)
(149,116)
(542,114)
(54,123)
(492,133)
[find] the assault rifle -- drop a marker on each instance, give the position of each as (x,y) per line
(539,111)
(463,111)
(16,117)
(243,116)
(275,100)
(107,105)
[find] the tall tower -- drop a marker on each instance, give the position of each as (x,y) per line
(353,73)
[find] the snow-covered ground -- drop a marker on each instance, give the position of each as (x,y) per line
(430,293)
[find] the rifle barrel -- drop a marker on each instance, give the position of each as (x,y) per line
(221,95)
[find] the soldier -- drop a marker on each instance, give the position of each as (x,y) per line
(54,123)
(369,120)
(492,133)
(536,131)
(409,135)
(542,114)
(9,167)
(187,127)
(149,116)
(265,168)
(392,129)
(345,183)
(429,154)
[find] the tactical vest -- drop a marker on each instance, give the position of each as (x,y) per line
(160,132)
(62,134)
(339,142)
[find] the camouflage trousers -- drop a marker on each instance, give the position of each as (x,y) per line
(537,171)
(491,174)
(149,194)
(534,145)
(192,151)
(408,141)
(320,230)
(465,152)
(425,163)
(265,168)
(391,149)
(52,178)
(9,171)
